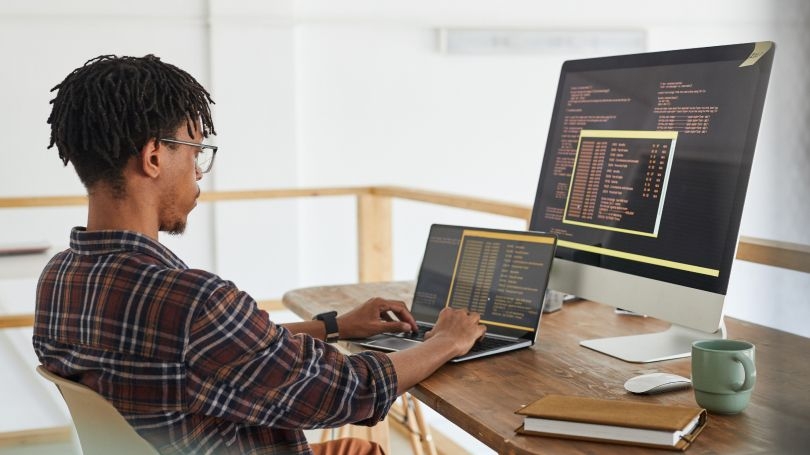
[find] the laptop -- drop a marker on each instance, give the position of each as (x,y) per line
(500,274)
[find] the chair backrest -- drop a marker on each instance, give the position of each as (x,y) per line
(101,428)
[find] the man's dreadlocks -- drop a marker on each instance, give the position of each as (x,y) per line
(108,109)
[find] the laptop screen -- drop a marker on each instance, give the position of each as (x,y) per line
(500,274)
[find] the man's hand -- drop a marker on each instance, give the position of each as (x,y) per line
(375,316)
(453,335)
(460,327)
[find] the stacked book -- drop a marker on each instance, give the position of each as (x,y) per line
(617,421)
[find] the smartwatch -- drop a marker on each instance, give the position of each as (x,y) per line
(330,322)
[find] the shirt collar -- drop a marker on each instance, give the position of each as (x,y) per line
(83,242)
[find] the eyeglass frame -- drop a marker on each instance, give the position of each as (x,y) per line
(202,147)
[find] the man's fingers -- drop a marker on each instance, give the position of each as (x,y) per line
(483,330)
(396,326)
(401,313)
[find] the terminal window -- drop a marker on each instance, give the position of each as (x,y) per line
(619,180)
(498,274)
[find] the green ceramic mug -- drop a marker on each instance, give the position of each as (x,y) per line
(723,374)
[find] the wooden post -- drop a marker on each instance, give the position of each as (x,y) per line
(374,238)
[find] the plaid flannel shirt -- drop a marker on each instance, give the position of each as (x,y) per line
(188,359)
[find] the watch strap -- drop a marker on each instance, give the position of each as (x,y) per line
(330,323)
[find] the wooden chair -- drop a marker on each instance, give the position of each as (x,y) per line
(101,428)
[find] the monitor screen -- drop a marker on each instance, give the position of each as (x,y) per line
(647,163)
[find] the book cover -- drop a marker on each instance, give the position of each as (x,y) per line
(617,421)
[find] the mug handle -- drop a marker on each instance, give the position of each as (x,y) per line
(750,373)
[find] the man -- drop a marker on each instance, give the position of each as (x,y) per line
(183,354)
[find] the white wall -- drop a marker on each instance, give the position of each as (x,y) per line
(350,92)
(253,82)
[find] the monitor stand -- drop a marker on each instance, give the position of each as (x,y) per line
(673,343)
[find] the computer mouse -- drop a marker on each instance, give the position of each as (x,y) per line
(656,383)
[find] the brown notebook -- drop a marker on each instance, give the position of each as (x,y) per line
(616,421)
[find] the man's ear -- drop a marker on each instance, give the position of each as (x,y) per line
(150,158)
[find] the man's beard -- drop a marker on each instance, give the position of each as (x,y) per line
(176,223)
(178,228)
(173,223)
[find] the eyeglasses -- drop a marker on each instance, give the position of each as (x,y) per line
(204,160)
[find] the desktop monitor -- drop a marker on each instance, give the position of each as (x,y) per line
(643,180)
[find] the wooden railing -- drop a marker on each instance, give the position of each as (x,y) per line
(374,227)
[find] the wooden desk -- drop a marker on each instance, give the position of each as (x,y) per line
(480,396)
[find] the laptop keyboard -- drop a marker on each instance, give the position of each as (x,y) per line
(487,343)
(419,335)
(484,344)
